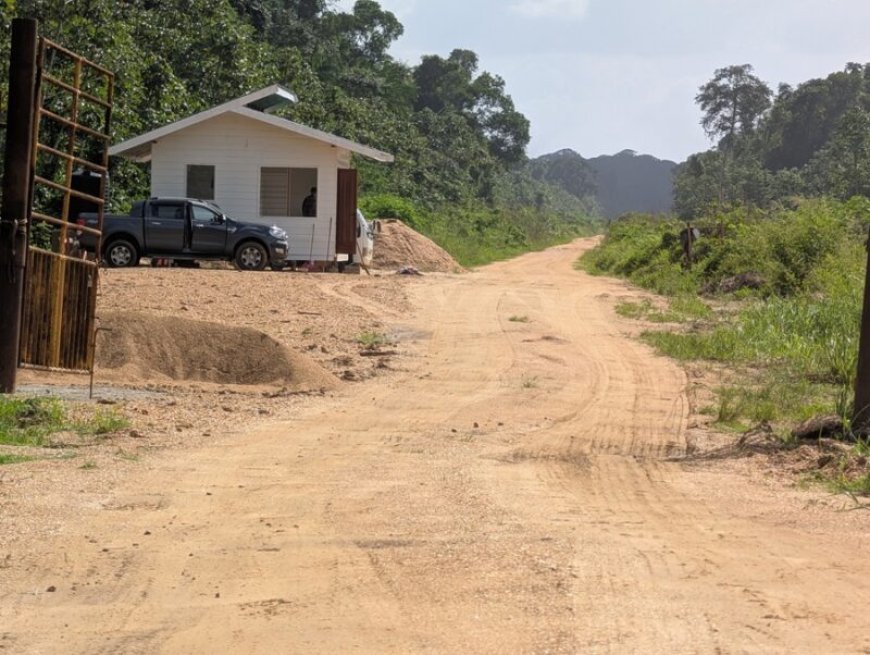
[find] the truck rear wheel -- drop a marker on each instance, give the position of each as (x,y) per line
(121,254)
(251,256)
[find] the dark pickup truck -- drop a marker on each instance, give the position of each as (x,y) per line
(185,229)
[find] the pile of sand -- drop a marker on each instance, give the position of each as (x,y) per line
(136,347)
(397,246)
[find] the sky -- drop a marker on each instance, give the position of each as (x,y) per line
(601,76)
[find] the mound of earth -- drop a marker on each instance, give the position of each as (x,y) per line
(397,245)
(137,347)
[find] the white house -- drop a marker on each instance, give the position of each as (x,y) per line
(259,167)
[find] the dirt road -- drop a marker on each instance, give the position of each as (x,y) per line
(518,490)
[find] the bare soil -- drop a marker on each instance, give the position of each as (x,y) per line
(136,347)
(503,487)
(399,246)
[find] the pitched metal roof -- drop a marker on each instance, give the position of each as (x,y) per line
(254,106)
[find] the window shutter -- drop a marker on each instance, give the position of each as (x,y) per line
(200,182)
(274,192)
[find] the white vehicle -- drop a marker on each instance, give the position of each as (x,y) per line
(365,240)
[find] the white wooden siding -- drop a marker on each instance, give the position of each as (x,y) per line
(238,148)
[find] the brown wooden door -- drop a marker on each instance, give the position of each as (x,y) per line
(345,230)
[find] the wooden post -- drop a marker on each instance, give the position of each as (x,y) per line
(861,416)
(687,240)
(17,180)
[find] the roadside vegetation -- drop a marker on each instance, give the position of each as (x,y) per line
(28,424)
(476,233)
(773,300)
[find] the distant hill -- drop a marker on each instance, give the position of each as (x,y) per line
(565,169)
(628,182)
(624,182)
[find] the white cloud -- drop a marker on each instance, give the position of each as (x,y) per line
(551,8)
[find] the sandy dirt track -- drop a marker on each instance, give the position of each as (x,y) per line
(520,489)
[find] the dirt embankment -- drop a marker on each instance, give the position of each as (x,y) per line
(398,246)
(135,347)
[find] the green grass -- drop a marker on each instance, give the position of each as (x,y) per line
(519,319)
(681,309)
(102,422)
(768,399)
(6,458)
(372,339)
(530,382)
(30,421)
(635,310)
(859,485)
(89,466)
(690,307)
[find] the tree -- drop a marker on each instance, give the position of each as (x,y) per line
(496,117)
(696,184)
(444,84)
(450,85)
(803,120)
(732,102)
(843,167)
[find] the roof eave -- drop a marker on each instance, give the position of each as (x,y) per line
(319,135)
(272,97)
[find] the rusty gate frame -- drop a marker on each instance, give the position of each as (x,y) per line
(51,274)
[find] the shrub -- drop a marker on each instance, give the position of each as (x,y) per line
(390,206)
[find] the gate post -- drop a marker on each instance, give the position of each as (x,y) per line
(15,211)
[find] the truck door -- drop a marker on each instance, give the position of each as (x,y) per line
(209,231)
(165,227)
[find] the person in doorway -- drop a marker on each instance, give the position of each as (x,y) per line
(309,205)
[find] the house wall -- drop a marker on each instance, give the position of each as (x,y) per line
(238,147)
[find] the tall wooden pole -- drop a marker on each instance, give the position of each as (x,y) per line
(861,417)
(17,180)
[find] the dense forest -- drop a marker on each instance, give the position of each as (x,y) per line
(812,141)
(461,171)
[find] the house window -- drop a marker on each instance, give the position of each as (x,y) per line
(283,190)
(200,182)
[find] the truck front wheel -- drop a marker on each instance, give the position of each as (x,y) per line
(121,254)
(251,256)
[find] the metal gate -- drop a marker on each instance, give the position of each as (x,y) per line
(71,138)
